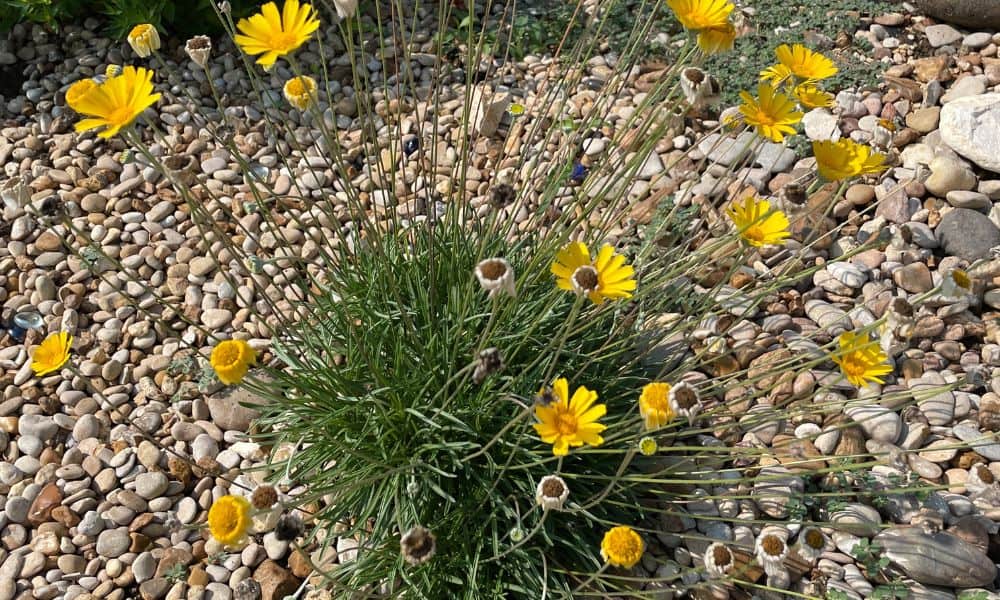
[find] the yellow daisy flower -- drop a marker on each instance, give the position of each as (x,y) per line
(804,63)
(622,547)
(230,359)
(606,278)
(811,96)
(772,113)
(715,40)
(757,223)
(273,35)
(701,14)
(300,91)
(860,358)
(52,353)
(144,39)
(654,405)
(776,74)
(845,159)
(229,519)
(566,421)
(78,90)
(115,103)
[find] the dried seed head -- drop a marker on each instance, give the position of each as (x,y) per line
(489,362)
(289,527)
(417,545)
(502,195)
(551,492)
(198,50)
(718,559)
(813,538)
(684,400)
(496,276)
(901,307)
(264,497)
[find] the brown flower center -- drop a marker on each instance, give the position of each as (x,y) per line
(814,539)
(722,556)
(552,488)
(585,279)
(493,269)
(199,43)
(685,397)
(772,545)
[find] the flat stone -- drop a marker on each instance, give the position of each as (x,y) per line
(968,199)
(151,485)
(982,442)
(234,411)
(924,120)
(820,124)
(972,85)
(914,277)
(879,423)
(942,35)
(112,543)
(967,234)
(971,127)
(726,151)
(939,558)
(948,174)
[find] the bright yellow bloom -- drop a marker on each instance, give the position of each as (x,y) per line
(811,96)
(273,35)
(772,113)
(622,547)
(714,40)
(116,102)
(860,358)
(300,91)
(845,159)
(606,278)
(229,519)
(566,421)
(78,90)
(52,353)
(757,223)
(701,14)
(654,405)
(144,39)
(776,74)
(231,359)
(804,63)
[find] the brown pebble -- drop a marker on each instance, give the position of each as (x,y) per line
(45,502)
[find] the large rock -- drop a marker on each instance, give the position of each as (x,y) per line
(967,234)
(937,558)
(971,127)
(235,410)
(978,14)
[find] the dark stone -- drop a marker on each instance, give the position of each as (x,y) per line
(967,234)
(977,14)
(939,558)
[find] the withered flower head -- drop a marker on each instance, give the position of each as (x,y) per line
(489,362)
(264,497)
(417,545)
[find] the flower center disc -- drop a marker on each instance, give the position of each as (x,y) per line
(566,423)
(585,279)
